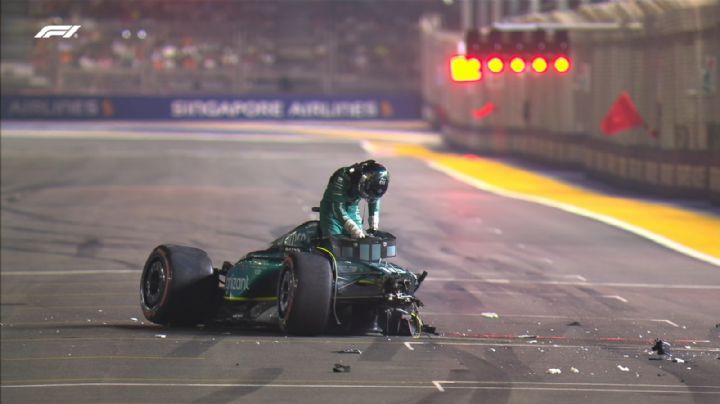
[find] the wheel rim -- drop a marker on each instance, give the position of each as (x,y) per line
(287,289)
(154,284)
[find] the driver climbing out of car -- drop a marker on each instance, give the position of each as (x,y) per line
(339,208)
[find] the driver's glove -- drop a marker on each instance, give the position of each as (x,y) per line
(354,230)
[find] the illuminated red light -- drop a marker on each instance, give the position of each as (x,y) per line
(495,64)
(539,64)
(517,64)
(561,64)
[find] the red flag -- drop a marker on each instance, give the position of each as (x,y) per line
(484,111)
(622,116)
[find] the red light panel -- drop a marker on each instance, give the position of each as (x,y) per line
(495,64)
(562,64)
(517,64)
(539,64)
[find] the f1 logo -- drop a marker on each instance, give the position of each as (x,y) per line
(65,31)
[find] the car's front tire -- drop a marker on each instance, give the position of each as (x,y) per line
(304,294)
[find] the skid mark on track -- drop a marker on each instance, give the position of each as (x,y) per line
(90,247)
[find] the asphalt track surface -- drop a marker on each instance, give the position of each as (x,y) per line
(81,213)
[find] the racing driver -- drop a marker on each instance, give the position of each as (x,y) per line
(339,208)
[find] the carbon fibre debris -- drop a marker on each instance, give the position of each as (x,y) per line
(350,351)
(661,347)
(340,368)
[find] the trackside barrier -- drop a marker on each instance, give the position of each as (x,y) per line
(653,171)
(262,107)
(669,67)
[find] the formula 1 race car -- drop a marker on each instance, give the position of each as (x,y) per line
(304,283)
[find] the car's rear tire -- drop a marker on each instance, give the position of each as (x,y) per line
(178,286)
(304,294)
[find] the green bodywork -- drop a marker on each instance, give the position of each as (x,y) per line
(254,278)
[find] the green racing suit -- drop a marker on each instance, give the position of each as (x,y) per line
(339,208)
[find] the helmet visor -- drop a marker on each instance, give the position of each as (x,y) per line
(373,185)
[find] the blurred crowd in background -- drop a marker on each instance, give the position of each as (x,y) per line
(214,46)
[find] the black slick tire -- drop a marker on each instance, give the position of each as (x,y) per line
(178,286)
(304,294)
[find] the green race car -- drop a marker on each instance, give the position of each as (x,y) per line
(303,283)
